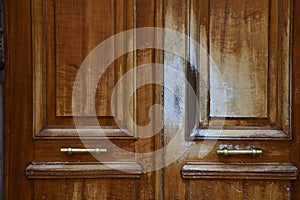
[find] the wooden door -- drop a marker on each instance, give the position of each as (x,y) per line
(241,93)
(47,42)
(231,83)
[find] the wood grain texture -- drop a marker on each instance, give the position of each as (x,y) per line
(18,118)
(214,189)
(52,170)
(120,150)
(66,28)
(93,22)
(89,132)
(21,109)
(145,96)
(260,171)
(158,77)
(61,47)
(238,189)
(252,35)
(247,134)
(295,155)
(239,47)
(175,17)
(244,79)
(81,189)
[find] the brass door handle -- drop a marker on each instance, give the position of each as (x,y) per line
(71,151)
(227,152)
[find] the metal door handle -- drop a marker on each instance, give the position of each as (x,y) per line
(71,151)
(252,152)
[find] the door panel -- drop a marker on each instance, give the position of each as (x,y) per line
(51,39)
(246,189)
(247,45)
(59,50)
(85,189)
(237,97)
(237,29)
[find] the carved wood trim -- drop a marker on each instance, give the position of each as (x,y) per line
(50,170)
(90,133)
(278,116)
(252,133)
(218,170)
(43,52)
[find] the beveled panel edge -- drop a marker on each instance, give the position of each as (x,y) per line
(283,67)
(250,133)
(255,171)
(39,82)
(55,170)
(90,133)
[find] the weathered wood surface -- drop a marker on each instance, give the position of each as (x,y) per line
(249,171)
(249,40)
(46,44)
(250,44)
(68,170)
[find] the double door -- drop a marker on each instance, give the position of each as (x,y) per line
(139,99)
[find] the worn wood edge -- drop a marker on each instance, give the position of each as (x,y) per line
(7,95)
(90,133)
(218,170)
(54,170)
(296,87)
(241,134)
(159,58)
(38,57)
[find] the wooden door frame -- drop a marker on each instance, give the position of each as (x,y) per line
(18,118)
(295,155)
